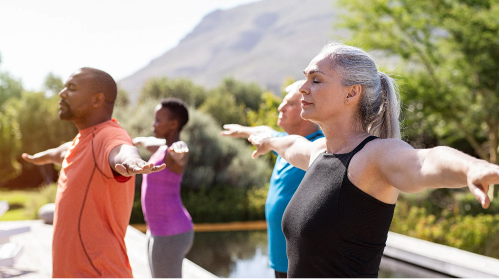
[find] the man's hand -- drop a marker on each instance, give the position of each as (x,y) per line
(137,166)
(50,156)
(40,158)
(260,142)
(125,160)
(235,131)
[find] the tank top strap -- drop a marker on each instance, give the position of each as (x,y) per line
(345,158)
(363,143)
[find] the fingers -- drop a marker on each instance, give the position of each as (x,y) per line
(28,158)
(158,168)
(146,168)
(137,140)
(255,154)
(480,193)
(178,147)
(34,159)
(231,130)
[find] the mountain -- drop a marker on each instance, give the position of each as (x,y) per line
(264,42)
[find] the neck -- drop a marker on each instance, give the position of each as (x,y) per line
(303,130)
(91,121)
(342,136)
(173,137)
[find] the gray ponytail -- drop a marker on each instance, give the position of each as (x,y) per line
(379,106)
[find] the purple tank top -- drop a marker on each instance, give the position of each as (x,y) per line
(161,203)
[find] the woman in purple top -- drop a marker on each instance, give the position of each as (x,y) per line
(170,229)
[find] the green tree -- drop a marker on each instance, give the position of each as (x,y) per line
(122,99)
(53,84)
(39,123)
(219,161)
(222,106)
(450,55)
(184,89)
(10,143)
(246,94)
(267,113)
(9,87)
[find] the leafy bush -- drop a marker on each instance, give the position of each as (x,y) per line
(444,202)
(477,234)
(216,160)
(45,195)
(184,89)
(225,204)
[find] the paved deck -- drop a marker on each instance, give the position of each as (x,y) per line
(35,260)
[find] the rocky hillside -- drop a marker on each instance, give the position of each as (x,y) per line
(264,42)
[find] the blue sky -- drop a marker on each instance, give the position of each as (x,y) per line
(117,36)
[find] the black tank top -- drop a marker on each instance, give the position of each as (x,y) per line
(332,228)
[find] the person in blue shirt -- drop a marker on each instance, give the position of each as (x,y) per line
(285,177)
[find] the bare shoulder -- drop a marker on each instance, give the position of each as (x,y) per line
(369,167)
(317,147)
(382,148)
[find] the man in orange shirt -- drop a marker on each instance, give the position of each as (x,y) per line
(96,185)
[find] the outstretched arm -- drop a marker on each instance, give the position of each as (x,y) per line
(295,149)
(413,170)
(238,131)
(150,143)
(50,156)
(125,160)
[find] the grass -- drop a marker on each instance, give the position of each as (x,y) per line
(24,205)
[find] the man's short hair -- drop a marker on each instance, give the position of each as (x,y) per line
(295,86)
(178,110)
(103,82)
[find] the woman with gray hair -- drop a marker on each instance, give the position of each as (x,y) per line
(337,222)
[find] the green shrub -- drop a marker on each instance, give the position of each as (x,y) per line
(46,194)
(216,160)
(225,204)
(477,234)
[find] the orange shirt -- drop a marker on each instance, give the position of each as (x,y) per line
(92,208)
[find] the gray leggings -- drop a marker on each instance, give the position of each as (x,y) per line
(166,253)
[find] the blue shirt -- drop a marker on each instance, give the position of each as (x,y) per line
(284,181)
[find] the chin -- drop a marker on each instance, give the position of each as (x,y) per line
(65,116)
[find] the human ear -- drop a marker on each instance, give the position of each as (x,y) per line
(98,100)
(174,124)
(353,92)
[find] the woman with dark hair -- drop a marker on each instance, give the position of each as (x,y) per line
(169,225)
(337,222)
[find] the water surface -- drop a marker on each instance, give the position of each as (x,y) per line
(237,254)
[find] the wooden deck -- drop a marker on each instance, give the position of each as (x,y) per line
(35,260)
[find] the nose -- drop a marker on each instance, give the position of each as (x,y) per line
(281,107)
(304,88)
(63,94)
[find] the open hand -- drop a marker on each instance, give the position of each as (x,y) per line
(178,150)
(137,166)
(37,159)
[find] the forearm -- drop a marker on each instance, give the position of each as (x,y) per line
(445,167)
(294,149)
(50,156)
(150,143)
(123,153)
(238,131)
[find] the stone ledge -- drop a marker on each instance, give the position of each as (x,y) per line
(440,258)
